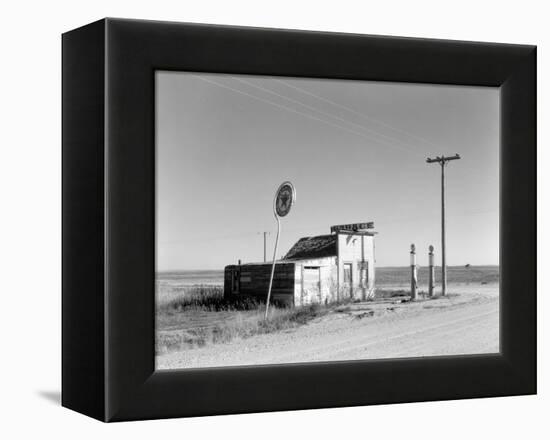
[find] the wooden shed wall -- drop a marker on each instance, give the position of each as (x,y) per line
(254,281)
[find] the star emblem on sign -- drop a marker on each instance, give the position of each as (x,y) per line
(285,199)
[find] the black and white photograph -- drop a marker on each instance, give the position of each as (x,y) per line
(308,220)
(275,220)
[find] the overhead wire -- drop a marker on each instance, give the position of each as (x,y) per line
(309,116)
(370,118)
(292,110)
(324,113)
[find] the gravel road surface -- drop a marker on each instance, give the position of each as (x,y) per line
(466,324)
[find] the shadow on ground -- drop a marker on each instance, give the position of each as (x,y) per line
(51,396)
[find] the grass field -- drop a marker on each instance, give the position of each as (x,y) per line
(191,311)
(198,315)
(395,276)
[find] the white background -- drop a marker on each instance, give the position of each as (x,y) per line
(30,216)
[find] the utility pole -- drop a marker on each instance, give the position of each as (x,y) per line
(265,233)
(442,161)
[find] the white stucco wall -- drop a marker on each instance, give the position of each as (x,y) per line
(355,249)
(328,283)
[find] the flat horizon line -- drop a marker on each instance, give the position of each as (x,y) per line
(376,267)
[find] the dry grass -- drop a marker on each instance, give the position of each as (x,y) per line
(208,298)
(199,315)
(240,325)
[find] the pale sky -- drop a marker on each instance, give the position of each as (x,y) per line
(355,151)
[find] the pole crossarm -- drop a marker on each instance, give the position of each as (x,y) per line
(443,159)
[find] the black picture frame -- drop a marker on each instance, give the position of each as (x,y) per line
(109,219)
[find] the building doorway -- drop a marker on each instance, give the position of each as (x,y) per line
(311,287)
(347,285)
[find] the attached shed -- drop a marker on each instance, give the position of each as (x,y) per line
(320,269)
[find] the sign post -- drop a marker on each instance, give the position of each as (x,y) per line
(283,201)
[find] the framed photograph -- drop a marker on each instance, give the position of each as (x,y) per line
(262,220)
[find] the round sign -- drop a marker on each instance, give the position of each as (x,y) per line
(285,198)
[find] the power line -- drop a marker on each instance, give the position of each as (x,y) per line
(343,107)
(290,109)
(330,115)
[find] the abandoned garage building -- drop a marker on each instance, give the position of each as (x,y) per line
(321,269)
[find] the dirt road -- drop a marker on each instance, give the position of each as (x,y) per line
(467,324)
